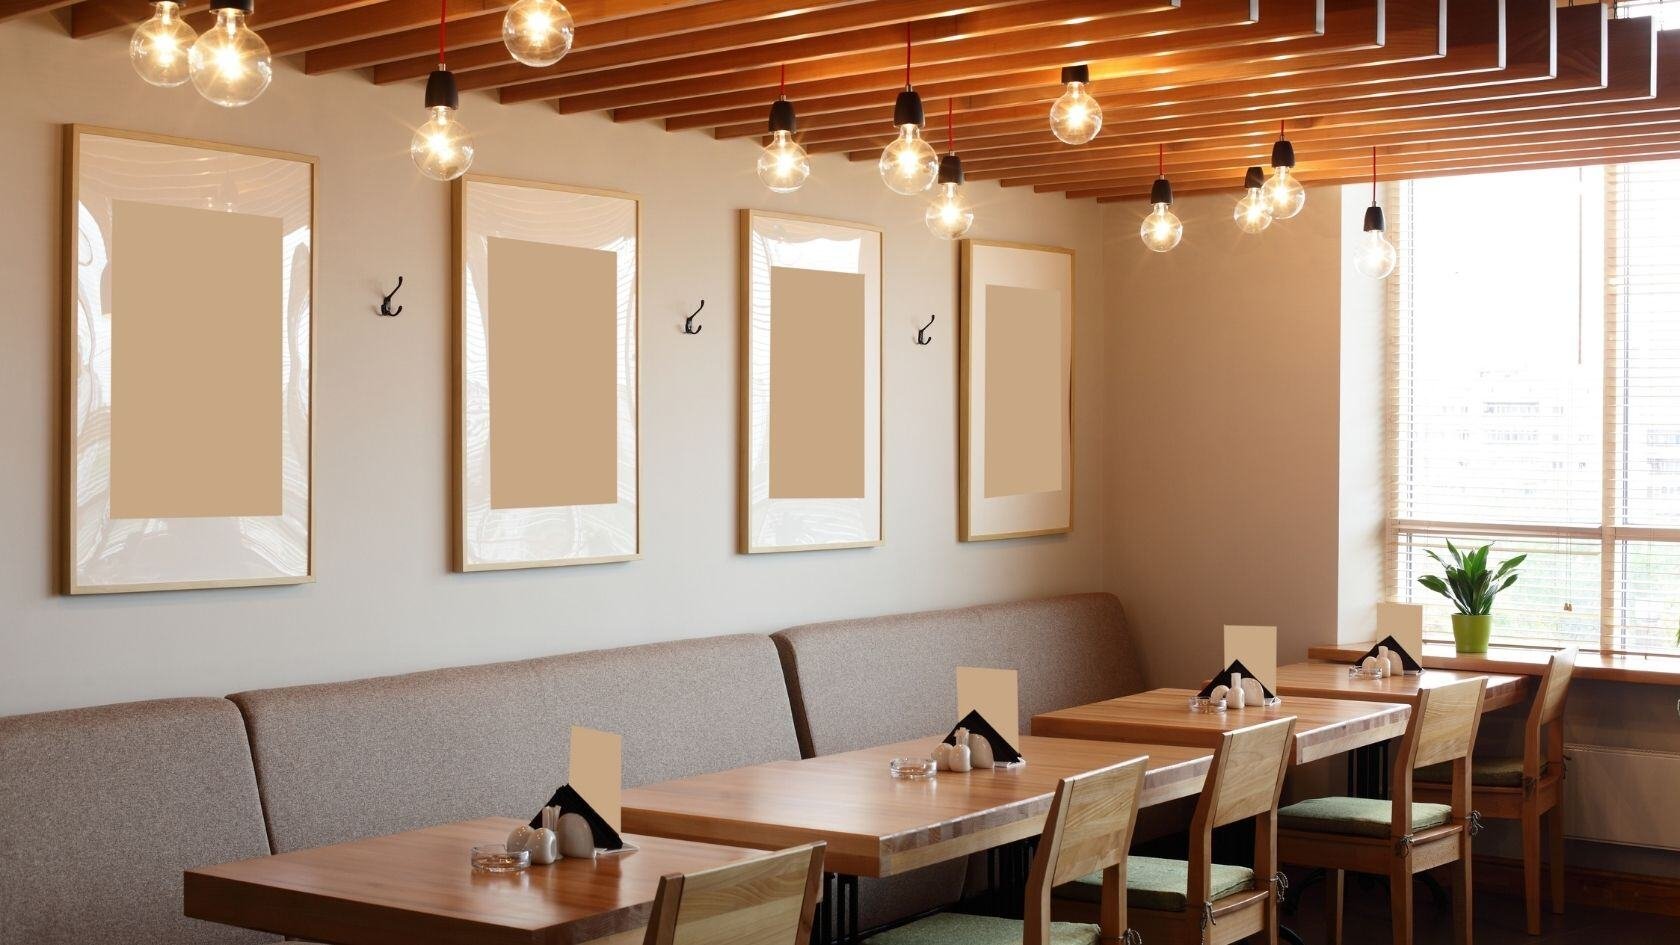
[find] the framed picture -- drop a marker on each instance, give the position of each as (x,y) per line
(189,348)
(1015,451)
(810,383)
(547,375)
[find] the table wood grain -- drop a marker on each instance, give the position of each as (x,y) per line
(418,888)
(1323,727)
(876,825)
(1523,661)
(1331,681)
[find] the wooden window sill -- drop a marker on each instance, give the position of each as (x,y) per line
(1522,660)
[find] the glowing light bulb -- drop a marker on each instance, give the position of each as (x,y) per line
(442,148)
(909,164)
(159,47)
(1075,118)
(1284,194)
(230,64)
(1374,255)
(1161,229)
(537,32)
(1253,213)
(949,216)
(783,165)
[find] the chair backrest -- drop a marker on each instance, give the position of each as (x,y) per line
(1088,830)
(1443,726)
(1554,688)
(1247,773)
(769,900)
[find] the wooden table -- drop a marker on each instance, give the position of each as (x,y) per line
(1331,681)
(417,888)
(1323,727)
(1523,661)
(876,825)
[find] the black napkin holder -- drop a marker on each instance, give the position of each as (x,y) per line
(571,802)
(1412,665)
(1224,679)
(1003,752)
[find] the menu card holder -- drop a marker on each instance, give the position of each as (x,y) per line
(1412,665)
(571,802)
(1224,679)
(1003,753)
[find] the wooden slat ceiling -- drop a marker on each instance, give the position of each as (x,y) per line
(1436,86)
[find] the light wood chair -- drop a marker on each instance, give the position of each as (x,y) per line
(1198,902)
(1525,788)
(1395,837)
(1088,829)
(770,900)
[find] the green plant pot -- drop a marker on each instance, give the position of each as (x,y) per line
(1471,632)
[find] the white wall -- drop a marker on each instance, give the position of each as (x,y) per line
(385,600)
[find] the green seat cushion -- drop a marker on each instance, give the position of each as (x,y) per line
(1361,816)
(1494,772)
(952,928)
(1157,884)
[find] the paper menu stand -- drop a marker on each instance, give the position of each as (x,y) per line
(993,696)
(1255,648)
(1401,627)
(1223,678)
(595,786)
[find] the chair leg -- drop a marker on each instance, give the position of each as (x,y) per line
(1463,904)
(1531,866)
(1333,882)
(1400,899)
(1554,837)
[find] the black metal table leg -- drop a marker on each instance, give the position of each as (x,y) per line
(836,921)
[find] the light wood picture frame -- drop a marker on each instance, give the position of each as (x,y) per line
(811,439)
(547,377)
(1015,423)
(188,414)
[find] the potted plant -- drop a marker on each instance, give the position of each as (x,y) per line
(1471,587)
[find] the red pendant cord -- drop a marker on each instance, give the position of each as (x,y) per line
(1161,160)
(443,18)
(783,90)
(1373,175)
(906,55)
(950,126)
(1280,128)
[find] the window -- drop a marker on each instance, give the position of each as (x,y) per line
(1534,397)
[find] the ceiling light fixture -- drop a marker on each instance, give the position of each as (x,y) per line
(949,216)
(159,47)
(1162,228)
(908,165)
(1283,190)
(1075,118)
(442,147)
(783,164)
(1375,256)
(1253,214)
(230,64)
(537,32)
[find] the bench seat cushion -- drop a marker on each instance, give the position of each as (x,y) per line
(1358,816)
(100,811)
(1160,884)
(1491,772)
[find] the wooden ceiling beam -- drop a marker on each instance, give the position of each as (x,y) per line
(941,42)
(92,17)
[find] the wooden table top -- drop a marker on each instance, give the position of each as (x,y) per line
(1323,727)
(876,825)
(418,888)
(1331,681)
(1523,661)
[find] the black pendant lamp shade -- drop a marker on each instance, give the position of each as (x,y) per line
(244,6)
(440,90)
(781,116)
(1283,153)
(1373,218)
(950,169)
(908,109)
(1161,191)
(1079,73)
(1256,177)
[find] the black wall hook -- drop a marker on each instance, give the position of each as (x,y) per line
(922,337)
(385,303)
(688,323)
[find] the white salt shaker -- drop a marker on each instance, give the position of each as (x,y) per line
(980,752)
(960,757)
(1234,695)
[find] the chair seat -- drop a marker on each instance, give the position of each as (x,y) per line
(1492,772)
(952,928)
(1359,816)
(1160,885)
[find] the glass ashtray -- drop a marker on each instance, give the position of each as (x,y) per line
(1201,704)
(496,858)
(913,769)
(1360,672)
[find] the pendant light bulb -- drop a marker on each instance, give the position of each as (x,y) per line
(783,164)
(1253,212)
(1161,229)
(537,32)
(1375,255)
(1075,118)
(230,64)
(909,165)
(1283,190)
(442,148)
(949,216)
(160,46)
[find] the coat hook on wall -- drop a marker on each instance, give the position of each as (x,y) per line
(922,337)
(385,303)
(688,323)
